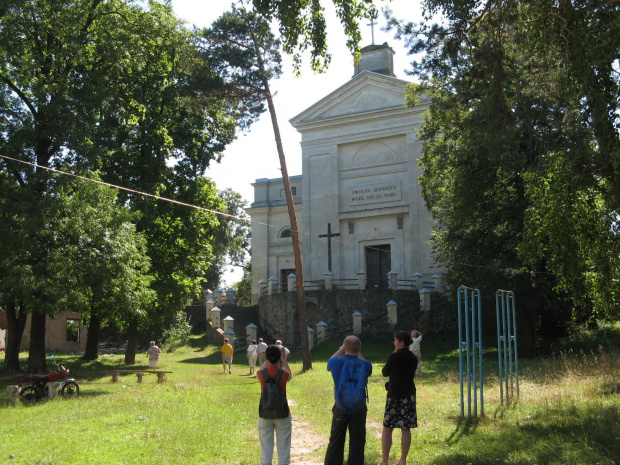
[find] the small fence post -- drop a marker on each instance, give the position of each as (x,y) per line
(506,342)
(392,308)
(417,276)
(310,337)
(229,322)
(329,280)
(262,285)
(250,332)
(215,317)
(361,280)
(425,300)
(291,282)
(321,331)
(392,280)
(357,323)
(271,282)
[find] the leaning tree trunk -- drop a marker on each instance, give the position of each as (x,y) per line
(132,341)
(91,352)
(299,272)
(36,354)
(15,329)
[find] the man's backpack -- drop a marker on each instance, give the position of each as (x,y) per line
(351,393)
(272,403)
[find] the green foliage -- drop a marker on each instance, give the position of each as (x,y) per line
(303,25)
(520,159)
(178,334)
(243,289)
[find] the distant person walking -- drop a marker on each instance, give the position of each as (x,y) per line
(227,355)
(153,354)
(261,347)
(416,336)
(252,355)
(274,414)
(350,372)
(285,351)
(400,405)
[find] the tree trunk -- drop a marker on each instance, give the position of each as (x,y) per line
(15,330)
(36,354)
(299,272)
(301,304)
(132,341)
(92,337)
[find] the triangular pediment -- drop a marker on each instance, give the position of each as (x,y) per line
(366,92)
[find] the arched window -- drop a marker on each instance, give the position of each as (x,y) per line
(286,232)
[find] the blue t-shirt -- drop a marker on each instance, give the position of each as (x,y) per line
(335,365)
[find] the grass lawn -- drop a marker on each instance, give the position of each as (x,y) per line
(568,411)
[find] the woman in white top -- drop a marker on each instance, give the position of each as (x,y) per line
(252,355)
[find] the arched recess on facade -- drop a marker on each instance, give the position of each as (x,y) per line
(285,232)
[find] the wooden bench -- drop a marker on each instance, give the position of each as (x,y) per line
(161,375)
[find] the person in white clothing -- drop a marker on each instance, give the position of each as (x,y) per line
(285,351)
(252,355)
(261,347)
(415,348)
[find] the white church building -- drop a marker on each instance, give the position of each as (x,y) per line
(359,181)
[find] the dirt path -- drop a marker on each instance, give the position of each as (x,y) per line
(305,442)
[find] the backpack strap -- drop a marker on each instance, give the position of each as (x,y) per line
(276,378)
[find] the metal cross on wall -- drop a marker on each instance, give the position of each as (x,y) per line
(329,236)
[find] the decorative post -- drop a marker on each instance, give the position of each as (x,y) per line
(271,282)
(215,317)
(357,323)
(262,285)
(229,322)
(321,331)
(291,282)
(230,296)
(210,305)
(392,280)
(310,337)
(218,296)
(250,332)
(329,280)
(437,279)
(361,280)
(417,276)
(230,334)
(425,300)
(392,310)
(205,296)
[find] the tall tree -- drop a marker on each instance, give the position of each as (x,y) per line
(521,185)
(303,26)
(244,46)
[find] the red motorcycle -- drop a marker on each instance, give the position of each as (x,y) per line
(35,387)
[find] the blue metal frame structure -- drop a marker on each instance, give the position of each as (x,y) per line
(507,343)
(469,302)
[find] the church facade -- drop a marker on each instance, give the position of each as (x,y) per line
(358,201)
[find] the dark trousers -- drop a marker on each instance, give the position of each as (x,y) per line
(356,424)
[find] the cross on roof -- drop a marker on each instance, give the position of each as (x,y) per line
(372,29)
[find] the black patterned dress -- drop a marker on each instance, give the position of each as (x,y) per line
(400,405)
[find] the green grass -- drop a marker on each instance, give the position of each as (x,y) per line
(568,411)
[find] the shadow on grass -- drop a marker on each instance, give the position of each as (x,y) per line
(586,435)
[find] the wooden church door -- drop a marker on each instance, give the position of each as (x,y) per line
(378,265)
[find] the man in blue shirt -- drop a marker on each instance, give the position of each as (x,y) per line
(355,422)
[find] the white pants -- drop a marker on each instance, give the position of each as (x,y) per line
(282,428)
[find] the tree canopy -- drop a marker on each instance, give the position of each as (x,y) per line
(522,151)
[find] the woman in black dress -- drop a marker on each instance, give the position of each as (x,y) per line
(400,405)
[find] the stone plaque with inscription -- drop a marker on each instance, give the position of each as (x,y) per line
(374,193)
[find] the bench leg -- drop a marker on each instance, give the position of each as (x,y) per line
(139,375)
(114,376)
(161,377)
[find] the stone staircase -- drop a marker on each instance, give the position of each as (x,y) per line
(242,317)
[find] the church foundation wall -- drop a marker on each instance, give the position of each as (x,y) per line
(278,313)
